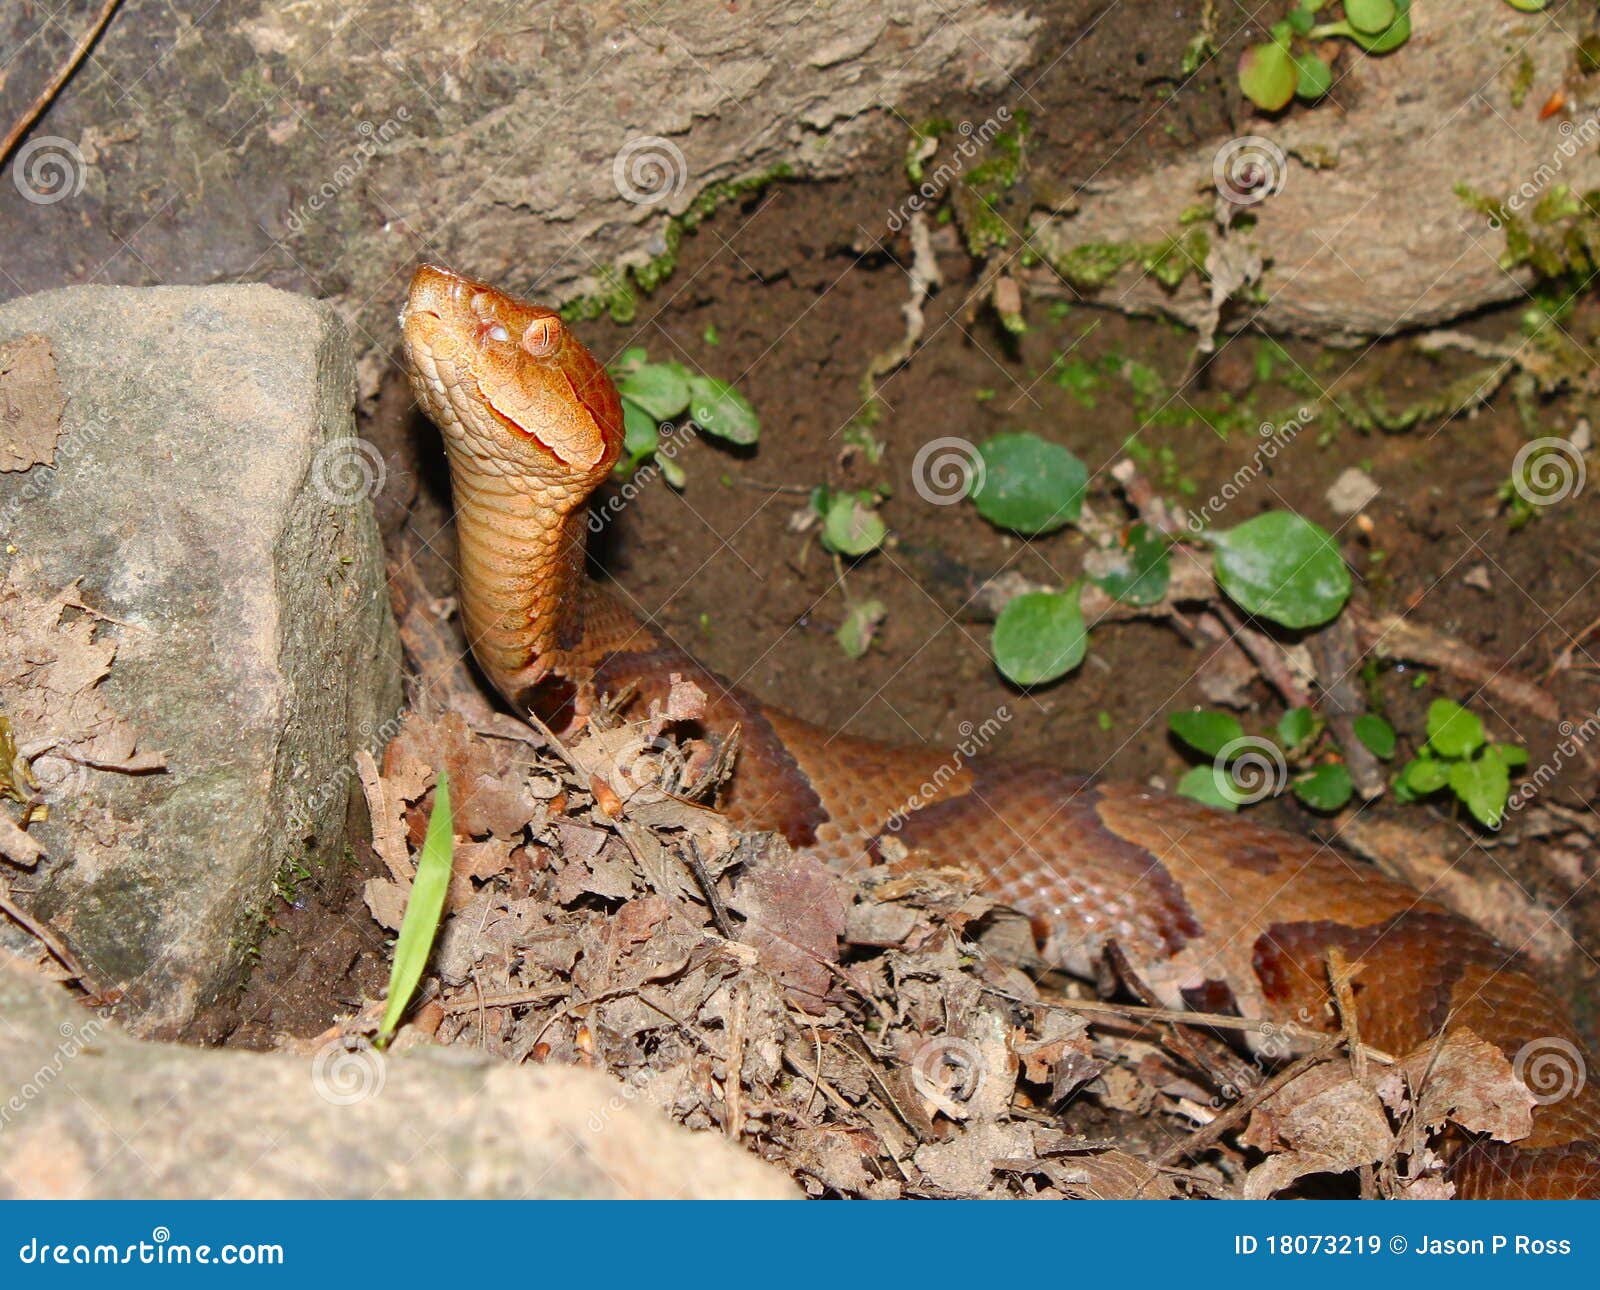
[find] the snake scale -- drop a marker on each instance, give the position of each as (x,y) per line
(1212,911)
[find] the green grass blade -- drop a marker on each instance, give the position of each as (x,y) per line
(421,921)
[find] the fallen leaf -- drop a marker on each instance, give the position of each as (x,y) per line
(31,404)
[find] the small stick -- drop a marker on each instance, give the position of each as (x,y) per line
(44,936)
(47,95)
(1207,1134)
(708,886)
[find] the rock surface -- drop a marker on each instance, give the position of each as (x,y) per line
(89,1112)
(1463,102)
(305,144)
(207,520)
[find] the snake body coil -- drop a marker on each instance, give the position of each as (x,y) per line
(1212,911)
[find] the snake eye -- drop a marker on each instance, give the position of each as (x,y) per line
(543,337)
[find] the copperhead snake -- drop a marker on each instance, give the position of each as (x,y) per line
(1211,910)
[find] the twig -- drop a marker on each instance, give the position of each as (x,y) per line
(1207,1134)
(1333,650)
(1266,654)
(42,933)
(1398,637)
(708,885)
(1212,1020)
(47,95)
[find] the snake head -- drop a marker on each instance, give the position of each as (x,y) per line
(508,381)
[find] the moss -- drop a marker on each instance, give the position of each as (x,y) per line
(984,188)
(1090,265)
(1522,81)
(618,294)
(1559,237)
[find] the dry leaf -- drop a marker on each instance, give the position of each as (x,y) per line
(31,404)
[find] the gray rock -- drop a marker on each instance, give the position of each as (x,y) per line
(211,502)
(85,1111)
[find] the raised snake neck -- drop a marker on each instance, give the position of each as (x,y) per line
(1211,911)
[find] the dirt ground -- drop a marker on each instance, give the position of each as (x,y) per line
(789,293)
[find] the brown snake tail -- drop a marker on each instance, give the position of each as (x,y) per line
(1210,910)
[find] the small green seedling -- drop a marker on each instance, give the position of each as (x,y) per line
(1299,756)
(658,394)
(1458,756)
(851,525)
(423,909)
(1287,65)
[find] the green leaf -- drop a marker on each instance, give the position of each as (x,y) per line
(1377,734)
(851,524)
(1425,775)
(1528,6)
(1283,567)
(1028,484)
(423,907)
(1039,637)
(660,389)
(1209,784)
(1267,75)
(1313,77)
(631,359)
(1327,788)
(1452,730)
(1369,16)
(1390,37)
(1205,731)
(1483,786)
(719,409)
(1301,19)
(1140,568)
(1296,727)
(640,434)
(1509,755)
(860,625)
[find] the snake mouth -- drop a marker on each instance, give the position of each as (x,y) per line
(532,436)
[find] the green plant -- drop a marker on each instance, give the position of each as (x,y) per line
(1458,756)
(851,525)
(424,906)
(1278,566)
(656,394)
(1299,756)
(1285,65)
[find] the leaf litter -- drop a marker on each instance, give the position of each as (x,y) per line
(882,1033)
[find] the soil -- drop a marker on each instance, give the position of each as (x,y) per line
(790,293)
